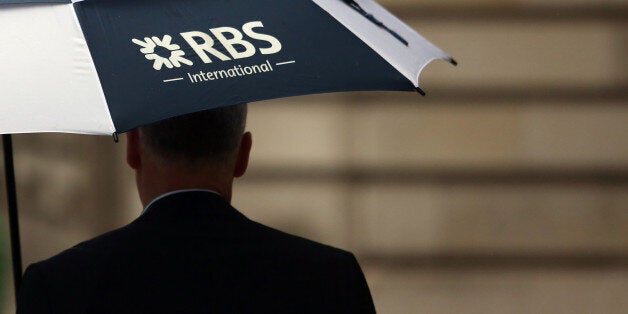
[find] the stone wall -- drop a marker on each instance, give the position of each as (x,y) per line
(505,190)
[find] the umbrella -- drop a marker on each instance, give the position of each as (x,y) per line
(108,66)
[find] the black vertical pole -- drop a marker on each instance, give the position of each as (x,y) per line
(13,219)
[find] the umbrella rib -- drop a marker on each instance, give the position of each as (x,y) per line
(374,20)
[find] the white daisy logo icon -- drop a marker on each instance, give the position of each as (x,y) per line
(148,49)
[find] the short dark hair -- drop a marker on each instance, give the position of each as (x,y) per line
(197,138)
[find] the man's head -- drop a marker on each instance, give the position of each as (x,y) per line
(203,150)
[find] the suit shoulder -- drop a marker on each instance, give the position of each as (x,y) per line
(299,245)
(87,251)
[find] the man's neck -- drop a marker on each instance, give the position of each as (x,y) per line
(151,184)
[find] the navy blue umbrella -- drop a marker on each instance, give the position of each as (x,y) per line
(108,66)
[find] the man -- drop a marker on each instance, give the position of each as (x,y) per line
(190,251)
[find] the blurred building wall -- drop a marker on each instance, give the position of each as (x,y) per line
(505,190)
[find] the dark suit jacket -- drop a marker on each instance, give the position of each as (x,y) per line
(192,252)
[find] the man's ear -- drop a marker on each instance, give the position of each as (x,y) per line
(243,155)
(133,149)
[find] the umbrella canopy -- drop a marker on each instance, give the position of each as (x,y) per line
(104,67)
(108,66)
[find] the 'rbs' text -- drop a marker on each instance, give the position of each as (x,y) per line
(233,40)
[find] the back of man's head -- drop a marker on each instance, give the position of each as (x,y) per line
(198,139)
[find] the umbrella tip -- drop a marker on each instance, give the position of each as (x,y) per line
(453,61)
(115,137)
(420,91)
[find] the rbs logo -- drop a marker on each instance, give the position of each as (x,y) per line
(154,47)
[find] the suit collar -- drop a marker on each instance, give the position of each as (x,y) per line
(175,192)
(186,205)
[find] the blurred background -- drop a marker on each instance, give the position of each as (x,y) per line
(505,190)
